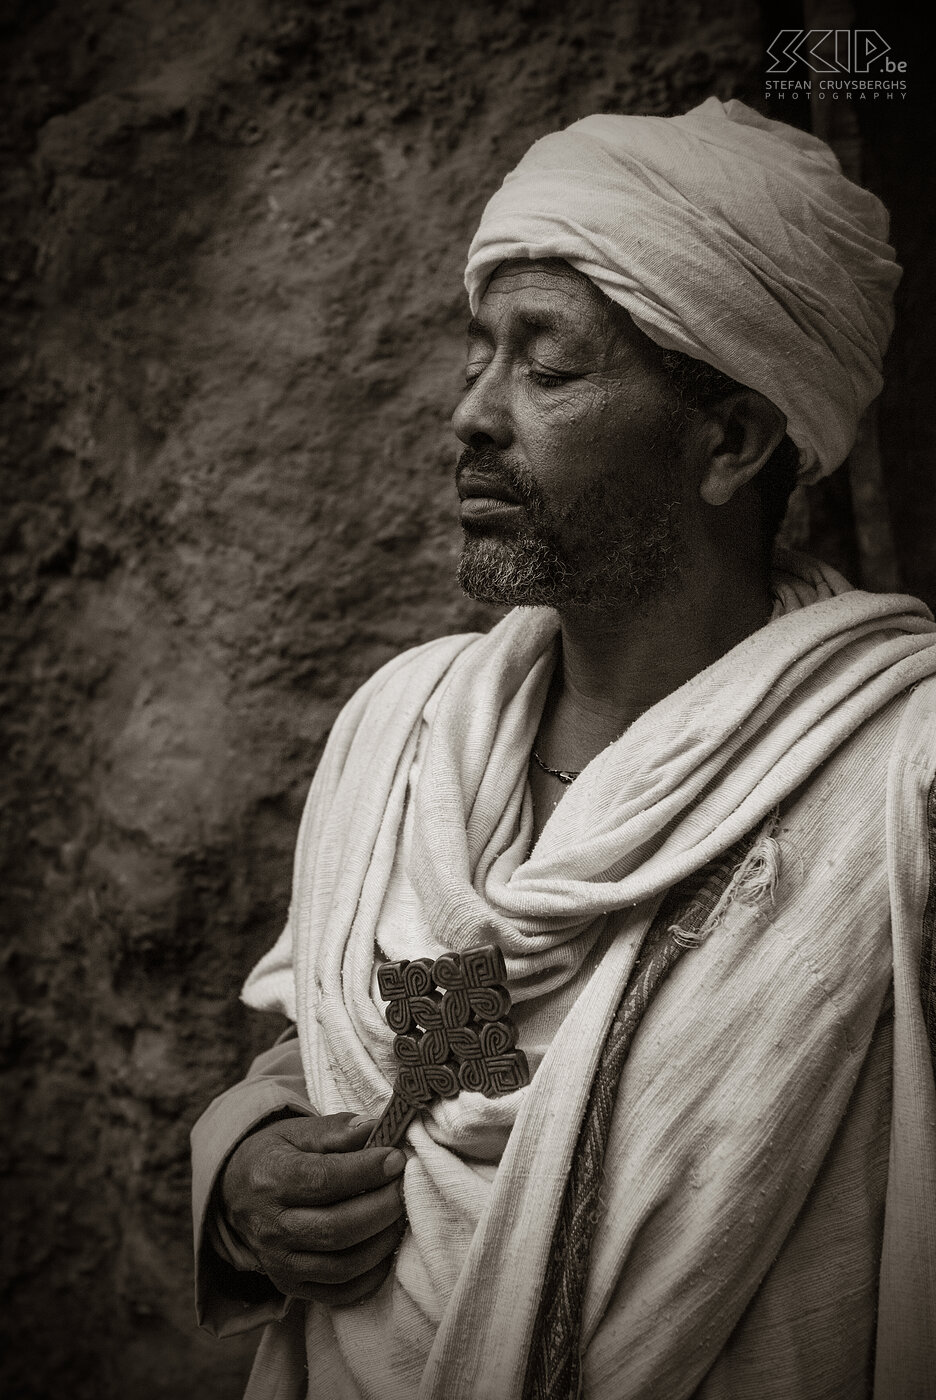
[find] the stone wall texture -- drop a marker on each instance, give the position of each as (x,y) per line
(233,237)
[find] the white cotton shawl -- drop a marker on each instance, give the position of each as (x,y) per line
(732,238)
(416,839)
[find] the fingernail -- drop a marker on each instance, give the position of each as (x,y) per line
(360,1120)
(394,1162)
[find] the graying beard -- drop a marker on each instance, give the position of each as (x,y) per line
(529,569)
(511,572)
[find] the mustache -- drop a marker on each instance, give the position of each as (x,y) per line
(487,461)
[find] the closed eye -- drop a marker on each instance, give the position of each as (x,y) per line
(547,380)
(473,373)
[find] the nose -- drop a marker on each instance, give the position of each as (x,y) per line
(482,418)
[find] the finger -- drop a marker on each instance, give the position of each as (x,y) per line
(339,1268)
(333,1132)
(329,1228)
(361,1288)
(322,1178)
(341,1295)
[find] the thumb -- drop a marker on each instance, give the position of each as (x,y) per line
(332,1132)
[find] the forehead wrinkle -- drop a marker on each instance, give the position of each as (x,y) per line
(525,323)
(477,330)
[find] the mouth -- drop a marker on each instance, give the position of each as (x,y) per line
(485,499)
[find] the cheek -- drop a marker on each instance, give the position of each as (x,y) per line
(568,425)
(572,441)
(646,431)
(554,437)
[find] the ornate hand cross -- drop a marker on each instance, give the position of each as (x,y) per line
(453,1031)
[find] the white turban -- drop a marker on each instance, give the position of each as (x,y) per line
(734,239)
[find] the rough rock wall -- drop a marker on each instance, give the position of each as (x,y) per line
(233,247)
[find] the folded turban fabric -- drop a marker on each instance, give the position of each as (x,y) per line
(732,238)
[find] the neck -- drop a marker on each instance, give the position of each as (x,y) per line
(615,664)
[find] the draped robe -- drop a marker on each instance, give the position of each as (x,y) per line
(774,1137)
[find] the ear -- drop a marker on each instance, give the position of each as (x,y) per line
(742,431)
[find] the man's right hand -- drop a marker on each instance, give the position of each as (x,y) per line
(322,1213)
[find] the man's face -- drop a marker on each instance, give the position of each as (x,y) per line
(570,479)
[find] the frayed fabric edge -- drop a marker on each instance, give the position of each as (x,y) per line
(753,885)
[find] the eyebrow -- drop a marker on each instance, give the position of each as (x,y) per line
(532,321)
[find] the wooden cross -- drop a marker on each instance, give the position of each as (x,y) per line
(453,1031)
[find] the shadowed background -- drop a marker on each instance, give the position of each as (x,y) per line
(233,238)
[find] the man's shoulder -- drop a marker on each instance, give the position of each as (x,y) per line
(909,723)
(837,830)
(905,724)
(914,731)
(858,773)
(890,753)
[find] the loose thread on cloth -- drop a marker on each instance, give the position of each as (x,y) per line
(752,884)
(686,914)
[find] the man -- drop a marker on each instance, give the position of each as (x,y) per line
(671,318)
